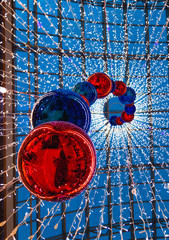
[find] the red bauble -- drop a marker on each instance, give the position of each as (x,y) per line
(102,83)
(127,117)
(56,161)
(120,88)
(118,121)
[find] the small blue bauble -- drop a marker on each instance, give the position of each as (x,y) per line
(61,105)
(128,97)
(113,86)
(88,90)
(130,110)
(112,120)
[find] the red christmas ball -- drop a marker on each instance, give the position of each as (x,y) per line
(118,121)
(56,161)
(102,83)
(120,88)
(127,117)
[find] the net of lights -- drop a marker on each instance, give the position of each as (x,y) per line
(54,47)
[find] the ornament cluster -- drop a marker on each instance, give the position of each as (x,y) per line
(127,97)
(57,159)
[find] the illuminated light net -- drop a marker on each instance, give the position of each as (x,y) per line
(53,44)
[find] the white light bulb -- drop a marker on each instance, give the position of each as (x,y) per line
(3,90)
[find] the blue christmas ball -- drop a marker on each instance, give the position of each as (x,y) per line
(86,89)
(112,120)
(130,110)
(128,97)
(61,105)
(113,85)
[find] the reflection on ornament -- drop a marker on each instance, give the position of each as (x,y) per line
(56,161)
(102,83)
(62,105)
(120,88)
(86,89)
(128,97)
(127,117)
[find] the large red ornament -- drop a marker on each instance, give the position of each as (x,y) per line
(56,161)
(120,88)
(102,83)
(127,117)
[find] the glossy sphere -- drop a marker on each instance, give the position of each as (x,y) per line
(120,88)
(127,117)
(112,120)
(130,110)
(102,83)
(113,86)
(62,105)
(56,161)
(118,121)
(86,89)
(128,97)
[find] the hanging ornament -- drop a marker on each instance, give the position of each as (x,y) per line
(127,117)
(119,121)
(62,105)
(113,85)
(120,88)
(130,110)
(112,120)
(56,161)
(128,97)
(102,83)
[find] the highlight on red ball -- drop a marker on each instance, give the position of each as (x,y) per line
(56,161)
(102,83)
